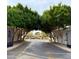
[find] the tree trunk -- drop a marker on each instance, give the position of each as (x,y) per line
(24,35)
(19,35)
(15,36)
(50,36)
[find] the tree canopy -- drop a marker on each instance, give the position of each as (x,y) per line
(19,16)
(58,16)
(23,17)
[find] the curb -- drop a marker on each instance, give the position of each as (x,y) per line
(63,47)
(14,46)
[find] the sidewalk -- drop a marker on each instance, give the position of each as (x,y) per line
(14,46)
(64,47)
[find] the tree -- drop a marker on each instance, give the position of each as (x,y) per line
(58,16)
(22,17)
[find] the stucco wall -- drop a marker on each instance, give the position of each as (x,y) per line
(66,39)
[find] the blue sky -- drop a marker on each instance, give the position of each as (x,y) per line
(38,5)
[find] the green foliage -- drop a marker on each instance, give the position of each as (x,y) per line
(58,16)
(23,17)
(19,16)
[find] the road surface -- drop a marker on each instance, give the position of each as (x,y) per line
(38,50)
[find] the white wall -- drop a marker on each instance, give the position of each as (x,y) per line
(66,39)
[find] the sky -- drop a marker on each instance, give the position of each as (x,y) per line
(38,5)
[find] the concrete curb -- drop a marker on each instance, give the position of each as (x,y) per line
(63,47)
(14,46)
